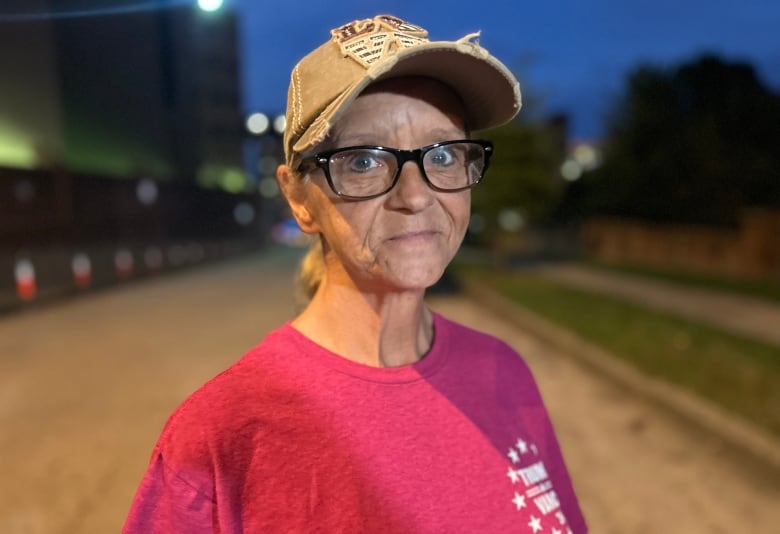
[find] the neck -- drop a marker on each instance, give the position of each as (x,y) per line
(382,329)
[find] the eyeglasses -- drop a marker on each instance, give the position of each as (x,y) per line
(363,172)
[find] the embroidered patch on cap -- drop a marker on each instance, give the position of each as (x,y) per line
(369,40)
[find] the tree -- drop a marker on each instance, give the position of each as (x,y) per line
(522,176)
(697,144)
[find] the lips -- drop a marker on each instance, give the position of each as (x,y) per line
(412,234)
(411,237)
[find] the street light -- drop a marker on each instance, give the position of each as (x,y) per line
(210,5)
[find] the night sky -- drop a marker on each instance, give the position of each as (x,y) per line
(572,54)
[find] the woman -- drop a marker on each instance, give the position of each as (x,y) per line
(368,412)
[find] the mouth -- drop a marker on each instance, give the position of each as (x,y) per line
(413,236)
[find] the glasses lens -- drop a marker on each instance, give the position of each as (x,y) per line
(362,172)
(454,165)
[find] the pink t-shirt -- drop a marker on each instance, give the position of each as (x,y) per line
(294,438)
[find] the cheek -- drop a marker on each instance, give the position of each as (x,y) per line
(362,218)
(459,210)
(329,216)
(347,227)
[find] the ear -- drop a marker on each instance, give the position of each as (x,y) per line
(293,190)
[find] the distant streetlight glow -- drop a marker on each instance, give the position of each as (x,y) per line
(268,188)
(146,191)
(244,213)
(586,156)
(209,5)
(279,123)
(232,181)
(511,220)
(571,170)
(257,123)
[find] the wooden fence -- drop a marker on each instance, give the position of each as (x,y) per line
(750,250)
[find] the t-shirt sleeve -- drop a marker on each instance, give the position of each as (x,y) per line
(165,502)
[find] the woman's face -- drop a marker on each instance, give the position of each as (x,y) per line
(404,239)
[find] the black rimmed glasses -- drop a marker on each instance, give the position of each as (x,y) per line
(366,171)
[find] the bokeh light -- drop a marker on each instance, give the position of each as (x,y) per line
(268,188)
(571,170)
(210,5)
(280,122)
(244,213)
(257,123)
(511,220)
(147,192)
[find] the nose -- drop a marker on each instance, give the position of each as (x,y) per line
(411,192)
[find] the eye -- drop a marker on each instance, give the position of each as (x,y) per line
(362,161)
(442,156)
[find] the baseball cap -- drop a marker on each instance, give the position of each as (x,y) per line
(327,80)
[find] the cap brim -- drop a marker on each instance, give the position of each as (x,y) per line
(489,91)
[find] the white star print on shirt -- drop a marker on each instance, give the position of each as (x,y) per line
(519,501)
(513,456)
(535,524)
(522,446)
(513,476)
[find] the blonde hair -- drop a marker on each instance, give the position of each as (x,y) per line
(311,270)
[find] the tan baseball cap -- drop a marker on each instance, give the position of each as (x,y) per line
(326,81)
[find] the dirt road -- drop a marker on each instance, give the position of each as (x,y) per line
(636,468)
(86,385)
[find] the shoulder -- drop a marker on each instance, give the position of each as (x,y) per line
(221,409)
(464,339)
(479,354)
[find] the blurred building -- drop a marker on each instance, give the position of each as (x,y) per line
(121,92)
(93,98)
(121,136)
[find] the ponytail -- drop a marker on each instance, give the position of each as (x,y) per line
(311,270)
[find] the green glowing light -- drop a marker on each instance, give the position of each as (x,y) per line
(16,150)
(230,179)
(233,181)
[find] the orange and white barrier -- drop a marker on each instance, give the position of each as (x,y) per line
(24,273)
(81,266)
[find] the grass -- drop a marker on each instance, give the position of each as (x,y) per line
(736,373)
(768,289)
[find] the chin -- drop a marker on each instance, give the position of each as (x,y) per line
(416,279)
